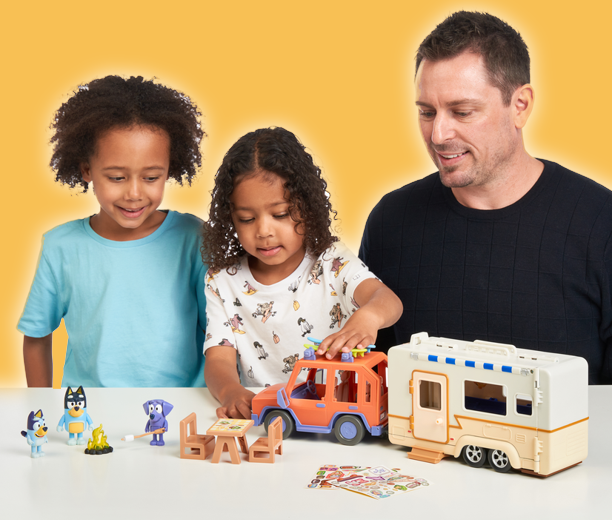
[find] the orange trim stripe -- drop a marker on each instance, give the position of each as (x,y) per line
(457,417)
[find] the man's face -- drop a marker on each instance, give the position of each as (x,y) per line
(469,133)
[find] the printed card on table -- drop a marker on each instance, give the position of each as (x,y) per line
(224,425)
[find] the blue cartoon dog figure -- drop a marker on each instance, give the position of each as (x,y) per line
(157,409)
(36,435)
(75,418)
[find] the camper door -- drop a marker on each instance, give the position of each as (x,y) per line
(430,406)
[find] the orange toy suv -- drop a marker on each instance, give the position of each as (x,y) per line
(348,397)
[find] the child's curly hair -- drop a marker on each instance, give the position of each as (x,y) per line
(115,102)
(277,151)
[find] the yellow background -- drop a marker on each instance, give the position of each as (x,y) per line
(337,73)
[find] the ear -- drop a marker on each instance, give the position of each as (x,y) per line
(146,407)
(522,105)
(167,407)
(85,172)
(69,391)
(38,414)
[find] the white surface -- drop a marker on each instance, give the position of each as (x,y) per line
(142,481)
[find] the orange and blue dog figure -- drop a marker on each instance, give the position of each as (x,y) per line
(75,418)
(36,433)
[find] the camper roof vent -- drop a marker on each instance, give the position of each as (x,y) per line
(416,339)
(489,347)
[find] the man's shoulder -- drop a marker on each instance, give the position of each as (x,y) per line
(570,184)
(415,194)
(572,177)
(416,187)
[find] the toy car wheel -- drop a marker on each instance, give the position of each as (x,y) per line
(474,456)
(349,430)
(499,461)
(288,423)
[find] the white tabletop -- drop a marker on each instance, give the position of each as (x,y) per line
(142,481)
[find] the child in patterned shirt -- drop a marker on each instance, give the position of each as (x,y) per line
(277,273)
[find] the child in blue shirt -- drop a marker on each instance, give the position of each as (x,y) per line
(128,281)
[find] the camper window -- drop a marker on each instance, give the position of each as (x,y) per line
(430,394)
(524,404)
(485,397)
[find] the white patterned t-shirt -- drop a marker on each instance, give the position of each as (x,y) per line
(269,324)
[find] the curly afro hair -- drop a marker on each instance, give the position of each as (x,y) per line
(115,102)
(270,151)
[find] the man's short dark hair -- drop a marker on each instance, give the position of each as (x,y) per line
(505,54)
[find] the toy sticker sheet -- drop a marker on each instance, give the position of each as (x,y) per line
(330,472)
(376,482)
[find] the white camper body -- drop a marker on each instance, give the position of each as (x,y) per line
(488,401)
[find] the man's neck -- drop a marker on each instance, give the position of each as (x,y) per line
(507,188)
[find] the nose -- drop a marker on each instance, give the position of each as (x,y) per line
(442,129)
(133,190)
(264,227)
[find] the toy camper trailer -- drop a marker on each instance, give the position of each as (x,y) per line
(488,401)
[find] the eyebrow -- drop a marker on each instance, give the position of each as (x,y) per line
(458,102)
(122,168)
(246,208)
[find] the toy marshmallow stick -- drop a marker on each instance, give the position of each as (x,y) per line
(130,438)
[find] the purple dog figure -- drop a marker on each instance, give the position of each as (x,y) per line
(157,409)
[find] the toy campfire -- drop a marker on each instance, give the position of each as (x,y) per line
(97,445)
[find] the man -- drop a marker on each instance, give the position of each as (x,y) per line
(497,245)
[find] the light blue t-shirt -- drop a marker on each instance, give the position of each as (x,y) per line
(134,311)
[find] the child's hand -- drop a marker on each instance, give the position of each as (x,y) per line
(359,332)
(379,308)
(236,404)
(223,382)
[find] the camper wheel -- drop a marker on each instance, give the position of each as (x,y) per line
(474,456)
(499,461)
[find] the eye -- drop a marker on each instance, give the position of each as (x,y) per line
(81,404)
(116,179)
(71,404)
(151,408)
(245,220)
(426,114)
(158,408)
(152,179)
(463,114)
(282,215)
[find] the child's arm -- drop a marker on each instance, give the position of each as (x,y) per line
(223,382)
(379,307)
(38,360)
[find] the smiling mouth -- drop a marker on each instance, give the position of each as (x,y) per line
(131,213)
(451,156)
